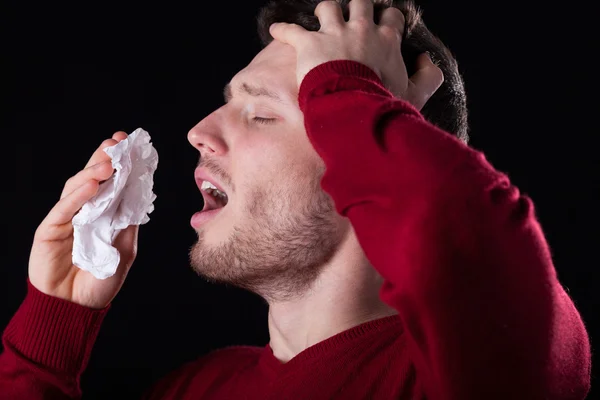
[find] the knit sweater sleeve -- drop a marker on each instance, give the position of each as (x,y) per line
(464,259)
(47,345)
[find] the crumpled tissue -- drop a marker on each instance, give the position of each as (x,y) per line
(124,199)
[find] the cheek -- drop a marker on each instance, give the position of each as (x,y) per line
(286,165)
(259,159)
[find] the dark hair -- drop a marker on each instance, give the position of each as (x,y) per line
(447,108)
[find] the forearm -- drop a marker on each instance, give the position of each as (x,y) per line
(485,314)
(465,261)
(47,345)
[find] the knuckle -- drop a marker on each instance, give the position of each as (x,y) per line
(288,27)
(362,24)
(39,232)
(47,232)
(390,32)
(70,181)
(107,143)
(102,167)
(396,14)
(51,232)
(320,6)
(326,4)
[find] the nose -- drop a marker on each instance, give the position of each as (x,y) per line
(207,136)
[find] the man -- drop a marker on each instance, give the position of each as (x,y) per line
(396,261)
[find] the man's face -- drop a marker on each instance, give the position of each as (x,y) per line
(278,227)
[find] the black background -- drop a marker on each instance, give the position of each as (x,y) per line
(74,74)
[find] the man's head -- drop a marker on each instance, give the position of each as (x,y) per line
(447,108)
(279,229)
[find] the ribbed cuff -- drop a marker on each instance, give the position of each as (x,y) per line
(54,333)
(339,75)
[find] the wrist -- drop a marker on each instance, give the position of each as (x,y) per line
(334,75)
(54,332)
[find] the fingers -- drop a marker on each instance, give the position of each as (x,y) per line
(99,172)
(361,9)
(330,15)
(425,82)
(126,242)
(99,159)
(120,135)
(287,33)
(393,18)
(99,155)
(64,211)
(79,189)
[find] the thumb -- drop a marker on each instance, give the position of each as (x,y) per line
(287,33)
(425,81)
(126,243)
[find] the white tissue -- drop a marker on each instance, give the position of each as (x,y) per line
(124,199)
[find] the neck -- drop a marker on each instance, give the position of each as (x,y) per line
(345,295)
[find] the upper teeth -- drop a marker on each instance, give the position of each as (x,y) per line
(207,186)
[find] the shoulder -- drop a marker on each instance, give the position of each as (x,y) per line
(200,375)
(238,355)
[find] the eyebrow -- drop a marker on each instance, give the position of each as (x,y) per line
(255,91)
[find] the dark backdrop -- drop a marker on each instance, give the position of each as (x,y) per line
(74,74)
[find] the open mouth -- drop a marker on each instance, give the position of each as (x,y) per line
(213,197)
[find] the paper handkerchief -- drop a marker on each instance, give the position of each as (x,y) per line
(124,199)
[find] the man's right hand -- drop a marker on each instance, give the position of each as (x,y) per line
(51,269)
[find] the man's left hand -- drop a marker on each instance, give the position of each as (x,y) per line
(361,40)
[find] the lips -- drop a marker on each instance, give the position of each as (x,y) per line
(202,175)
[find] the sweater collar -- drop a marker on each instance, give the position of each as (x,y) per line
(271,365)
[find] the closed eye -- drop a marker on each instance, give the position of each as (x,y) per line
(263,120)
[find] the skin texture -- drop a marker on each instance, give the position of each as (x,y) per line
(277,232)
(279,235)
(279,228)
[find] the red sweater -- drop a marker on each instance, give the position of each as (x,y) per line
(481,312)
